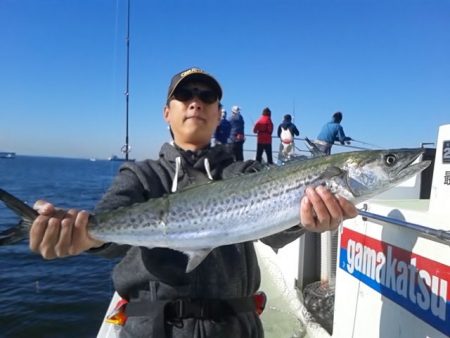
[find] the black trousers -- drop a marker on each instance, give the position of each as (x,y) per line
(238,151)
(260,148)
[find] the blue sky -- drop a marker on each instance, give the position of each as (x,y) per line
(384,64)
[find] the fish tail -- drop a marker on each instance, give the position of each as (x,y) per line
(24,211)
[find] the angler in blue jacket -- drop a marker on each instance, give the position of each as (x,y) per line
(332,131)
(223,130)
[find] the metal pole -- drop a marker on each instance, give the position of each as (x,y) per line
(436,234)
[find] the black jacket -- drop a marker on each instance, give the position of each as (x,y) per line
(153,274)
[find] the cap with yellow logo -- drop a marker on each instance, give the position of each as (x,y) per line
(194,74)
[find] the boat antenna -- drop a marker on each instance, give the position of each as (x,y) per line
(126,148)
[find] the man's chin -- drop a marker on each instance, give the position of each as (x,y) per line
(196,126)
(197,132)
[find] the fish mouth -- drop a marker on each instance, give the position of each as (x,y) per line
(409,169)
(413,169)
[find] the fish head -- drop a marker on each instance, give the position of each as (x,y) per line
(369,173)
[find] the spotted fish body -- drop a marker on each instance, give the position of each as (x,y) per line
(250,206)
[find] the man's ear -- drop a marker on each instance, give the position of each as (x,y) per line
(219,111)
(166,113)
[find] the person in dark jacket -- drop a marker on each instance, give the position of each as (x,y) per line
(164,300)
(223,130)
(263,129)
(237,136)
(332,131)
(286,131)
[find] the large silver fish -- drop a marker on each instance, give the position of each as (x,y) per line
(243,208)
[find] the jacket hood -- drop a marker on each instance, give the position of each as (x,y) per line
(264,118)
(217,153)
(218,157)
(286,124)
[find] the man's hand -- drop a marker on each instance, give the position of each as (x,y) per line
(59,233)
(320,210)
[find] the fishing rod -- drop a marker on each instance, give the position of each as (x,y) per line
(342,145)
(293,110)
(368,144)
(349,146)
(126,148)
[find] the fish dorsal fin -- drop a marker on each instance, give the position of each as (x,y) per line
(195,186)
(331,172)
(196,257)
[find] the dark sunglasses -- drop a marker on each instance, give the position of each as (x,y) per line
(184,94)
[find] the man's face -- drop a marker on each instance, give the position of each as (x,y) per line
(192,120)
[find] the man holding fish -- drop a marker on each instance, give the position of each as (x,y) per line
(181,290)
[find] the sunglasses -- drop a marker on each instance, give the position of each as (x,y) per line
(184,94)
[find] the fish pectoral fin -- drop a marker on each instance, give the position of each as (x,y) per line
(196,257)
(331,172)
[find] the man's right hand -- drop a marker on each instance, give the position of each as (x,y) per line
(60,233)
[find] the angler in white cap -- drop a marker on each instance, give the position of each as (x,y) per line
(237,136)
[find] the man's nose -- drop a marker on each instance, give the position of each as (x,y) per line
(196,103)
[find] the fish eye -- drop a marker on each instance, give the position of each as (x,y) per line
(390,160)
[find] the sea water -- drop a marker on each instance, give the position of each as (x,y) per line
(62,297)
(68,297)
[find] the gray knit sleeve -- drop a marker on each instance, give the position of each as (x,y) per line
(131,185)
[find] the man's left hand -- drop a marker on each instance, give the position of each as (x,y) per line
(320,210)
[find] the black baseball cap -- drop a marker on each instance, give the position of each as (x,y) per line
(194,74)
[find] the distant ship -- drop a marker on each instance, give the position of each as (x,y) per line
(7,154)
(119,159)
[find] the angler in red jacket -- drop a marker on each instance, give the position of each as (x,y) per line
(264,128)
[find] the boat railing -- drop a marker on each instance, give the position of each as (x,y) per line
(434,234)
